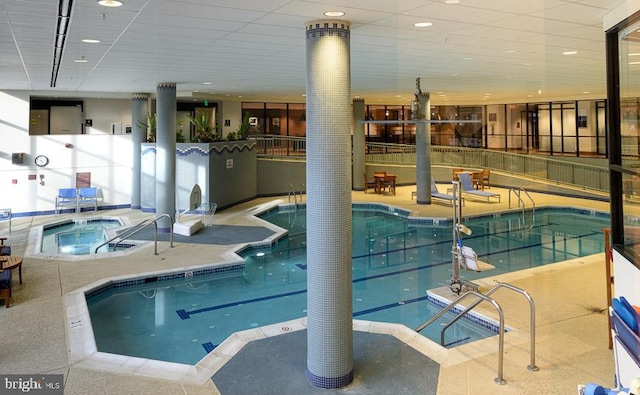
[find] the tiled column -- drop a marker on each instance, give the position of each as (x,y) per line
(166,153)
(329,246)
(140,106)
(359,167)
(423,155)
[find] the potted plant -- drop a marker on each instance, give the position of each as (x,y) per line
(204,131)
(151,127)
(243,128)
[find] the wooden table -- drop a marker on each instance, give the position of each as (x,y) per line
(12,262)
(383,179)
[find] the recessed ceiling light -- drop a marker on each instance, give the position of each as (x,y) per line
(90,41)
(570,52)
(527,64)
(333,13)
(206,83)
(423,24)
(586,92)
(83,60)
(452,1)
(466,58)
(511,51)
(634,54)
(110,3)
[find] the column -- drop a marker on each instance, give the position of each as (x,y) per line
(140,107)
(166,154)
(359,145)
(423,148)
(329,246)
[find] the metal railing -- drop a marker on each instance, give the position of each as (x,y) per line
(137,228)
(499,380)
(533,166)
(295,194)
(532,319)
(518,193)
(485,298)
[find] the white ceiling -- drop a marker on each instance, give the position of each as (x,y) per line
(254,50)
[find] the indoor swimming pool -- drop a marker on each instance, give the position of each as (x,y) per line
(395,260)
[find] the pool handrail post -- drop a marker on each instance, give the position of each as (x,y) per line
(532,320)
(498,380)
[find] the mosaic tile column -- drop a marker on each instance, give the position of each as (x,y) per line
(166,154)
(423,148)
(139,108)
(359,146)
(329,246)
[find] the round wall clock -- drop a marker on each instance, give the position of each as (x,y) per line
(41,160)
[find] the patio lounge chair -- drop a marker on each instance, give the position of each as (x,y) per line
(444,196)
(467,188)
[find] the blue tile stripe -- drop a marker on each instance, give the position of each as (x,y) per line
(208,347)
(236,303)
(183,314)
(229,147)
(236,267)
(330,382)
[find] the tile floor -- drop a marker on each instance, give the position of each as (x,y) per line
(571,326)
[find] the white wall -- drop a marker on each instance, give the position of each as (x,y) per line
(232,111)
(103,112)
(107,157)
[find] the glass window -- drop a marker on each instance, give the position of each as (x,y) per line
(297,120)
(629,102)
(256,113)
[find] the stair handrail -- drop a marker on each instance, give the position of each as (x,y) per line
(138,227)
(532,319)
(498,380)
(292,192)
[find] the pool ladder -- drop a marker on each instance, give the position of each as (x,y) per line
(295,194)
(518,192)
(137,228)
(485,298)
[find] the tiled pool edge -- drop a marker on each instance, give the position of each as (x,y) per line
(82,349)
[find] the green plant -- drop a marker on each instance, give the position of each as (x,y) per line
(180,138)
(243,128)
(204,131)
(232,136)
(150,126)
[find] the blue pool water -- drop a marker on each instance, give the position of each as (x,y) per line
(77,237)
(395,261)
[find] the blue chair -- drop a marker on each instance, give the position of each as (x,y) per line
(67,197)
(444,196)
(5,286)
(88,197)
(466,185)
(4,249)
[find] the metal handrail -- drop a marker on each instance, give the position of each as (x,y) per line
(137,228)
(498,380)
(292,192)
(532,320)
